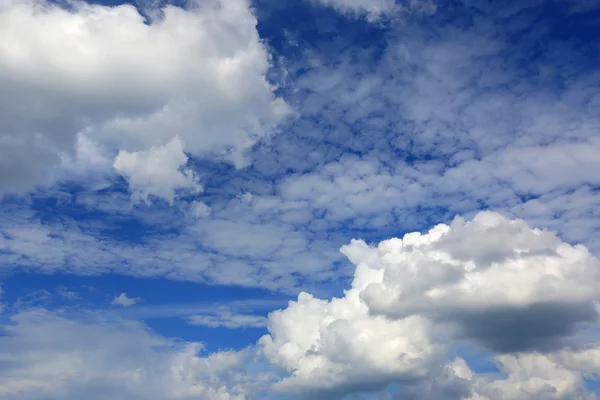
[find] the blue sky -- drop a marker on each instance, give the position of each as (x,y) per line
(331,199)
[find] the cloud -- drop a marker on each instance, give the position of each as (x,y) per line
(197,74)
(373,9)
(558,375)
(510,287)
(123,300)
(158,171)
(65,293)
(34,299)
(429,125)
(413,304)
(200,209)
(337,347)
(490,281)
(376,10)
(227,319)
(199,250)
(67,359)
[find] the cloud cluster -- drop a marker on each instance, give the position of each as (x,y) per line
(191,80)
(397,136)
(489,283)
(492,282)
(445,119)
(44,352)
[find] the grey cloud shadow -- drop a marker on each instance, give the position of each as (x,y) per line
(540,327)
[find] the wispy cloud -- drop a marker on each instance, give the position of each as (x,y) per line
(227,319)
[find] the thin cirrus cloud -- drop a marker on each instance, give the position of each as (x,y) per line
(227,319)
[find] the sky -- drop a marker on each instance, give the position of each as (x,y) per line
(303,199)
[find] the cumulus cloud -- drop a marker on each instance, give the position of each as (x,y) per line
(508,286)
(131,86)
(159,171)
(336,347)
(505,286)
(124,300)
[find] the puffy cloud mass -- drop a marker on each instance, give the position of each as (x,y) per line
(195,73)
(157,171)
(490,281)
(507,285)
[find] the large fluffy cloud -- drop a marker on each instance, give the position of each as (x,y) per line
(104,72)
(507,285)
(336,347)
(491,282)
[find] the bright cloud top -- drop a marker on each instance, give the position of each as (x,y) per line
(474,264)
(100,71)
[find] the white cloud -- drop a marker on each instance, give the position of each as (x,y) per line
(551,376)
(159,171)
(396,324)
(446,121)
(507,285)
(123,300)
(337,346)
(96,359)
(200,209)
(375,10)
(65,293)
(501,283)
(266,245)
(198,74)
(227,319)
